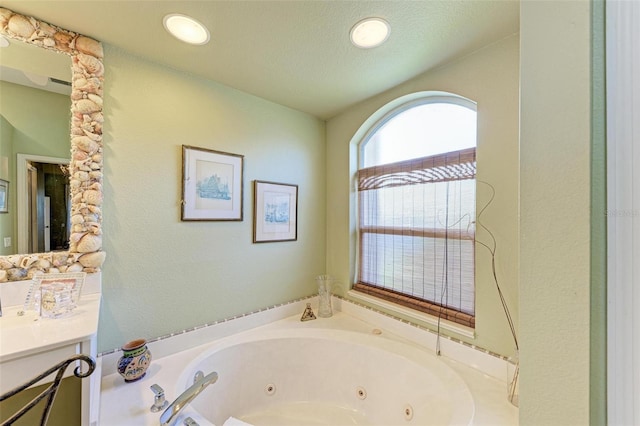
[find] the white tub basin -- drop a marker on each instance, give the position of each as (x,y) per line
(326,377)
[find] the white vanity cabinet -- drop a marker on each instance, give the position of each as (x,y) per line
(29,345)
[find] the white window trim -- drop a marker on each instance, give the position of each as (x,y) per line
(623,212)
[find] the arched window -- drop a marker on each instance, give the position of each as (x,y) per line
(416,207)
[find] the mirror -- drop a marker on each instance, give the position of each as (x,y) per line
(35,83)
(84,172)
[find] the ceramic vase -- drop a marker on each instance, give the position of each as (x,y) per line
(135,360)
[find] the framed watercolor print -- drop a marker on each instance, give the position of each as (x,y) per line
(4,196)
(275,212)
(211,184)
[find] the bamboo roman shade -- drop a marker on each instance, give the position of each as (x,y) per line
(417,233)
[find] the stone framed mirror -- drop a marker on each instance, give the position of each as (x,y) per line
(85,168)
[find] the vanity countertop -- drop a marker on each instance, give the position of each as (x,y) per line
(29,344)
(28,334)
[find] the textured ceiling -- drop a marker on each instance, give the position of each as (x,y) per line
(295,53)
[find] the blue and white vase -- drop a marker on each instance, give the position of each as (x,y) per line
(135,360)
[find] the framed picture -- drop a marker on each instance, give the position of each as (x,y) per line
(54,294)
(4,196)
(275,212)
(211,184)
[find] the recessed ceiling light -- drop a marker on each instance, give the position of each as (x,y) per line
(186,29)
(370,32)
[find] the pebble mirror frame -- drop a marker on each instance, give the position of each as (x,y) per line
(85,167)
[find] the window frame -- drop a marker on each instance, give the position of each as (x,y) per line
(425,100)
(389,295)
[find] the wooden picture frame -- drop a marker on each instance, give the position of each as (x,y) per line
(4,196)
(212,184)
(275,212)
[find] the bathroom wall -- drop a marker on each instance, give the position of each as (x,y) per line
(490,78)
(163,275)
(23,106)
(555,166)
(6,219)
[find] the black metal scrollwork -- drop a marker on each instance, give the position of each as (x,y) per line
(50,392)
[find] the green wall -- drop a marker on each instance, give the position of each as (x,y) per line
(598,337)
(40,126)
(489,77)
(6,144)
(162,275)
(555,224)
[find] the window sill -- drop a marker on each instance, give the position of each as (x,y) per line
(411,314)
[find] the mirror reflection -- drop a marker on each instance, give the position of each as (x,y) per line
(34,148)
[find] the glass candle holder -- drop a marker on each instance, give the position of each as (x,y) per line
(324,295)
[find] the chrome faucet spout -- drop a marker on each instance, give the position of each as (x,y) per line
(186,397)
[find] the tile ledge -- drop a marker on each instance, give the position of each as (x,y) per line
(378,304)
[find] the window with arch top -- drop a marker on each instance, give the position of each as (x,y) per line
(416,207)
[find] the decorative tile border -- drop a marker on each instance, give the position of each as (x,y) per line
(423,328)
(466,353)
(224,320)
(429,308)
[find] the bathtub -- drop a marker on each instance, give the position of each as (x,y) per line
(357,367)
(325,377)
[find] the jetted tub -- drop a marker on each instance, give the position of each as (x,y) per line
(325,377)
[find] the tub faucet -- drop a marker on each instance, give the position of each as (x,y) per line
(159,402)
(186,397)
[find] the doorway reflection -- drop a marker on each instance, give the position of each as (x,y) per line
(48,207)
